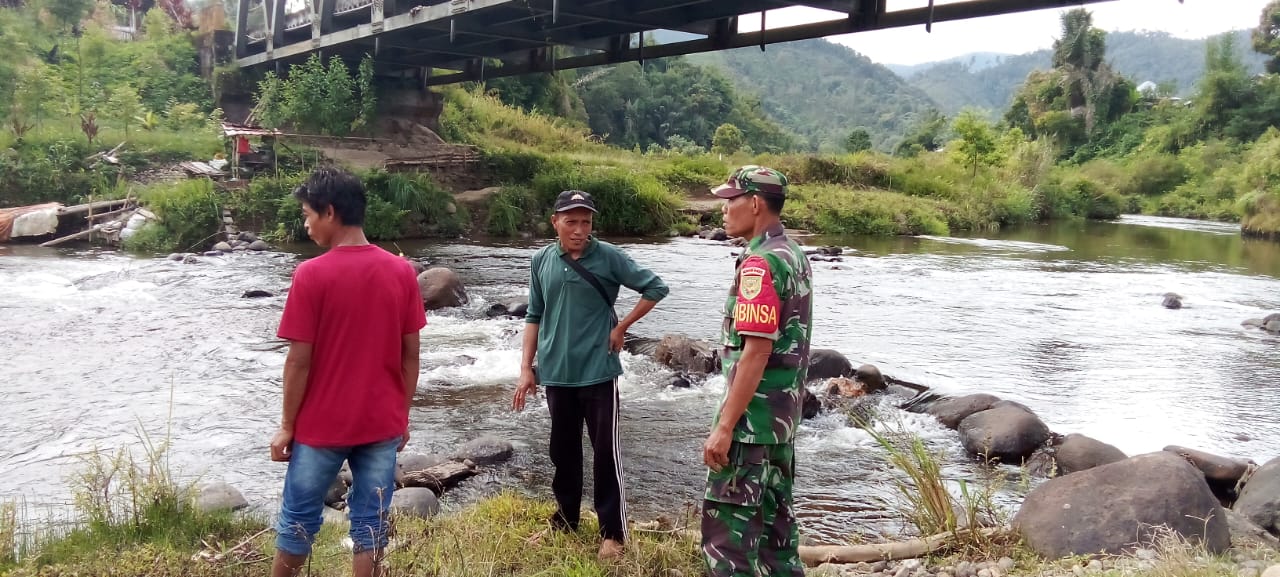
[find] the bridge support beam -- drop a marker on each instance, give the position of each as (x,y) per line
(242,29)
(275,36)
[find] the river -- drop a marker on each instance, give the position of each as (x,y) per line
(102,348)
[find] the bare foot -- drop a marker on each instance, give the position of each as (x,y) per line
(610,549)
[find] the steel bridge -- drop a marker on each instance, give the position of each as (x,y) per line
(448,41)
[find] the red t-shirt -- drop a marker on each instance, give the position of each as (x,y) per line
(353,303)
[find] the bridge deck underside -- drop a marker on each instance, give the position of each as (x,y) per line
(468,36)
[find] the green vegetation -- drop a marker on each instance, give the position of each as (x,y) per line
(137,520)
(821,90)
(1176,64)
(65,97)
(319,98)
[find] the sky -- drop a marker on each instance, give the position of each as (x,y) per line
(1025,32)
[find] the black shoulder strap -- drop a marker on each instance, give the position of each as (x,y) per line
(590,278)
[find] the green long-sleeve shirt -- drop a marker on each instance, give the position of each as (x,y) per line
(574,322)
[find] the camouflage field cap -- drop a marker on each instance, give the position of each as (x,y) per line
(752,179)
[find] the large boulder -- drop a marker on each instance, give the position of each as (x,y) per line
(1260,498)
(220,497)
(418,502)
(1221,473)
(686,355)
(487,450)
(952,411)
(1006,434)
(1116,507)
(441,288)
(1071,454)
(1080,453)
(828,364)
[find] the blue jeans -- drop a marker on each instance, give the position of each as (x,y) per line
(311,473)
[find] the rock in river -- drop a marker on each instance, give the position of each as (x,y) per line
(441,288)
(1007,433)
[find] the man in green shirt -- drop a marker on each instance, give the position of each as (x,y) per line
(748,521)
(572,330)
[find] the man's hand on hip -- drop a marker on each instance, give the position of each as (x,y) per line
(617,339)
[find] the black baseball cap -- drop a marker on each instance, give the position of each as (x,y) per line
(571,199)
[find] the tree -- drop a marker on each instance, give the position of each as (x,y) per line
(125,106)
(1266,37)
(976,143)
(68,13)
(858,140)
(925,135)
(1225,88)
(1079,55)
(728,139)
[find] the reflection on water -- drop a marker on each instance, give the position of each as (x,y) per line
(1065,318)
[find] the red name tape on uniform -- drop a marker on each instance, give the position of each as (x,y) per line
(758,303)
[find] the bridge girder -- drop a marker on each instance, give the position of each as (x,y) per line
(539,35)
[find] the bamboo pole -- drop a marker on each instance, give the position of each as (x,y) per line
(910,549)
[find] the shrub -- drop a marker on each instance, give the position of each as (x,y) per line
(190,212)
(629,203)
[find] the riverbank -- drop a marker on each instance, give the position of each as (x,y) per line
(161,538)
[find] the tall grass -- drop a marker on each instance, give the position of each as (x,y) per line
(927,500)
(190,214)
(8,533)
(629,203)
(476,118)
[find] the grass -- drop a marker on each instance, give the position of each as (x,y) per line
(488,538)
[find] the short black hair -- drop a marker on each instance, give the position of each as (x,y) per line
(773,202)
(331,186)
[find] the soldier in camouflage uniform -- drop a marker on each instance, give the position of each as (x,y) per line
(748,521)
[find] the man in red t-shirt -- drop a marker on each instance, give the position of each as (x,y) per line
(352,320)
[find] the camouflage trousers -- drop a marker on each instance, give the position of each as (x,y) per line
(748,521)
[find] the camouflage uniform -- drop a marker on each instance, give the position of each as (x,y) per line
(748,521)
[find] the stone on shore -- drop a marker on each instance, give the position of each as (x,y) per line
(1006,434)
(220,497)
(952,411)
(419,502)
(1246,534)
(222,247)
(1260,498)
(1115,507)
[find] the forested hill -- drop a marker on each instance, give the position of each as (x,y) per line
(1140,56)
(822,91)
